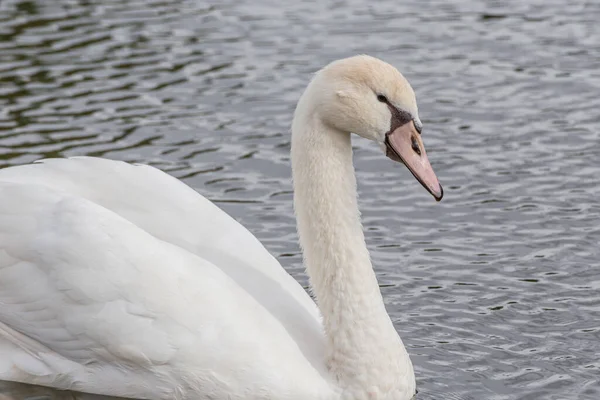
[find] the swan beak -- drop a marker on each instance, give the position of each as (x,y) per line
(404,145)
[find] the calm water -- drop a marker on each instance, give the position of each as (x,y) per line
(495,290)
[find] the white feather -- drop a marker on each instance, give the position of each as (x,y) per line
(103,304)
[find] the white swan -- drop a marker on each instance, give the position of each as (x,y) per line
(119,280)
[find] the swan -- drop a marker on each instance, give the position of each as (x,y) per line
(119,280)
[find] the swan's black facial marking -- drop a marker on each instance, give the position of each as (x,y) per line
(399,117)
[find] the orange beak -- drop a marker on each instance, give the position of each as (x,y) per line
(404,145)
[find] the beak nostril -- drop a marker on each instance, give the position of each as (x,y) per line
(415,146)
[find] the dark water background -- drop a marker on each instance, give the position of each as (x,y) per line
(496,290)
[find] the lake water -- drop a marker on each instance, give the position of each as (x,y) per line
(495,290)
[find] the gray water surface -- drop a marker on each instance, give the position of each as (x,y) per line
(495,290)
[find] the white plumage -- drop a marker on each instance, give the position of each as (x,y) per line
(109,284)
(119,280)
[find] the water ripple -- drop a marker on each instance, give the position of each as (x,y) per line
(496,290)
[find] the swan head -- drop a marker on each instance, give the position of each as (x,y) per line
(372,99)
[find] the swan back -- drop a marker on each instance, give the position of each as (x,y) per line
(97,298)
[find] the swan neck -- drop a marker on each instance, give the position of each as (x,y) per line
(363,346)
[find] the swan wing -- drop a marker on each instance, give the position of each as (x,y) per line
(91,302)
(171,211)
(166,208)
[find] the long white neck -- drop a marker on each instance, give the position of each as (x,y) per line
(364,354)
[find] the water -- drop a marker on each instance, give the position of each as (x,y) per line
(495,290)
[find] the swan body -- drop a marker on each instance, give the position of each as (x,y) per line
(119,280)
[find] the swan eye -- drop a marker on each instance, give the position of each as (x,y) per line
(415,146)
(382,98)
